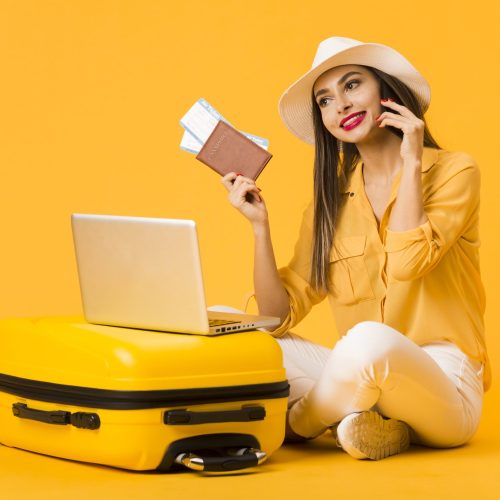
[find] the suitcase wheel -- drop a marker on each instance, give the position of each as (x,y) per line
(213,453)
(234,459)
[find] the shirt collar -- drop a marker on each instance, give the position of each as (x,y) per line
(429,158)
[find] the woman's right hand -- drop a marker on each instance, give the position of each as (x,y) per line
(246,197)
(271,296)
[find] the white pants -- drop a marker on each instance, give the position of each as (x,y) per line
(436,389)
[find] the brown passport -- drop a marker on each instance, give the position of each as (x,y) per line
(227,150)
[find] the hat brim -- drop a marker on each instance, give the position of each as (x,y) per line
(295,106)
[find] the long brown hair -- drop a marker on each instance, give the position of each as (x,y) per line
(333,163)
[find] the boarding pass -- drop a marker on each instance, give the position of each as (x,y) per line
(200,121)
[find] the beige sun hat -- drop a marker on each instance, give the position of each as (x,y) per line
(295,105)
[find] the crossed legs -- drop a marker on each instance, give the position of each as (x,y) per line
(435,389)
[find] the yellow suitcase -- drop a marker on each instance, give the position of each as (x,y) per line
(138,399)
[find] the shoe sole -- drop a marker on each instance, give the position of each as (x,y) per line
(373,436)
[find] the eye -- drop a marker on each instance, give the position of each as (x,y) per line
(323,102)
(350,83)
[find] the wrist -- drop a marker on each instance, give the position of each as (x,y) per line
(412,166)
(261,228)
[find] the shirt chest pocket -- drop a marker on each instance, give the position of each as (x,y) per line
(349,278)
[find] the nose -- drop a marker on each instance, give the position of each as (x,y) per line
(343,103)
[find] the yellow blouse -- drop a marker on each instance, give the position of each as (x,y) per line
(424,282)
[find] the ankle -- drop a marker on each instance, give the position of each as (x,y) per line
(303,418)
(291,436)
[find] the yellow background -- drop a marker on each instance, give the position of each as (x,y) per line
(91,95)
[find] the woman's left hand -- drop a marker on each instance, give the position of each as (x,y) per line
(412,146)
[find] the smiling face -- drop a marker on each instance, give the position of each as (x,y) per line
(349,100)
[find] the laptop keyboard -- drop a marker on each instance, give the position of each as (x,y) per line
(220,322)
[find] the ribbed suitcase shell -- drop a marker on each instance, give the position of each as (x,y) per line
(131,379)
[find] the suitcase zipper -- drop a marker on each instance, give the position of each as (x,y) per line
(138,400)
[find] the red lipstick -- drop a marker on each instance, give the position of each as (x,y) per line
(355,123)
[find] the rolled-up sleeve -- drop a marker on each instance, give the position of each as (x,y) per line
(295,279)
(451,209)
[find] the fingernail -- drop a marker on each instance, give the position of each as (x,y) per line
(237,174)
(392,100)
(384,100)
(378,117)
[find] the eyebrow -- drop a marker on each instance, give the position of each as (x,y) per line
(340,82)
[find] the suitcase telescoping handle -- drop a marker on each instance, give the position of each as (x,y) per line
(236,459)
(79,419)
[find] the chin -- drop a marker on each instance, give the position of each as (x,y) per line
(354,139)
(361,136)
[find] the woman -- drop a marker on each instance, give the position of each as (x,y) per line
(391,238)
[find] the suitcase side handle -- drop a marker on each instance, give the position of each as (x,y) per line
(237,459)
(184,417)
(79,419)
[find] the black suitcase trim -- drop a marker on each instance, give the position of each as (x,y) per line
(138,400)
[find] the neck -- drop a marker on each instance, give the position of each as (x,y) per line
(381,158)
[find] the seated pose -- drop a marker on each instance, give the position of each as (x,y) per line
(391,238)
